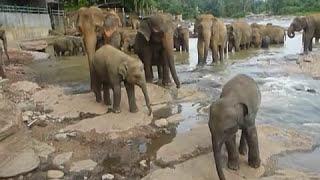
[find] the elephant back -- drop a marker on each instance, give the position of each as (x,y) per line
(245,90)
(242,31)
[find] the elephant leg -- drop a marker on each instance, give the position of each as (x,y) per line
(243,144)
(96,87)
(116,98)
(200,47)
(131,97)
(160,74)
(106,94)
(310,45)
(233,156)
(221,53)
(317,40)
(214,54)
(146,59)
(252,140)
(166,77)
(306,43)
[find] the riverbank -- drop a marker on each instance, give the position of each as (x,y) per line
(310,64)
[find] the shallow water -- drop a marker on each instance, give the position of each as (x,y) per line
(289,99)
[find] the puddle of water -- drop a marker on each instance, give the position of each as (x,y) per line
(308,162)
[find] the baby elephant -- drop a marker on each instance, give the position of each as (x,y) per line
(112,66)
(236,109)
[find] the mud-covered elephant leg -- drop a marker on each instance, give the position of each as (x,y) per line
(116,98)
(146,57)
(221,53)
(131,97)
(160,74)
(252,140)
(200,46)
(165,69)
(243,144)
(106,94)
(96,85)
(215,55)
(233,156)
(306,43)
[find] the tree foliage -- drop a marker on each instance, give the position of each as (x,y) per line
(225,8)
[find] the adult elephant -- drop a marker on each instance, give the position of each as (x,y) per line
(5,44)
(239,35)
(276,33)
(92,22)
(236,109)
(154,46)
(310,26)
(181,39)
(127,40)
(212,33)
(256,38)
(111,67)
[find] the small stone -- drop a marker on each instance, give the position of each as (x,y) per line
(311,91)
(78,166)
(28,113)
(143,164)
(25,118)
(62,158)
(72,134)
(42,117)
(166,131)
(55,174)
(60,137)
(161,123)
(107,177)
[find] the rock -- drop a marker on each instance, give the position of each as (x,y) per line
(175,119)
(299,87)
(42,149)
(72,134)
(107,177)
(36,45)
(42,117)
(28,113)
(55,174)
(60,159)
(87,165)
(161,123)
(60,137)
(311,91)
(143,164)
(26,106)
(25,118)
(25,86)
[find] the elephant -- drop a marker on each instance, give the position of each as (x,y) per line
(239,35)
(63,45)
(93,23)
(127,40)
(276,34)
(310,26)
(212,33)
(154,46)
(256,38)
(78,45)
(5,44)
(135,23)
(265,42)
(181,39)
(111,67)
(236,109)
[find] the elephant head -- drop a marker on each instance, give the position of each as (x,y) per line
(256,38)
(231,37)
(224,117)
(159,28)
(132,71)
(203,27)
(297,24)
(93,24)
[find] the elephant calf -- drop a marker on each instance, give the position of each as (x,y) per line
(181,39)
(112,66)
(236,109)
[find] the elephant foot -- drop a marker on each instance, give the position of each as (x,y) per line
(111,110)
(108,103)
(242,151)
(98,99)
(134,110)
(233,165)
(254,163)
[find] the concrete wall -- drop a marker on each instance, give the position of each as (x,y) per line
(21,26)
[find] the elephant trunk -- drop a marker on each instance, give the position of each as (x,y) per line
(146,96)
(90,41)
(207,38)
(217,158)
(170,59)
(291,33)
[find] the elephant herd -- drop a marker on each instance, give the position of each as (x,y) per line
(154,42)
(213,34)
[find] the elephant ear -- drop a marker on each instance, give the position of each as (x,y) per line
(304,22)
(97,16)
(123,69)
(145,29)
